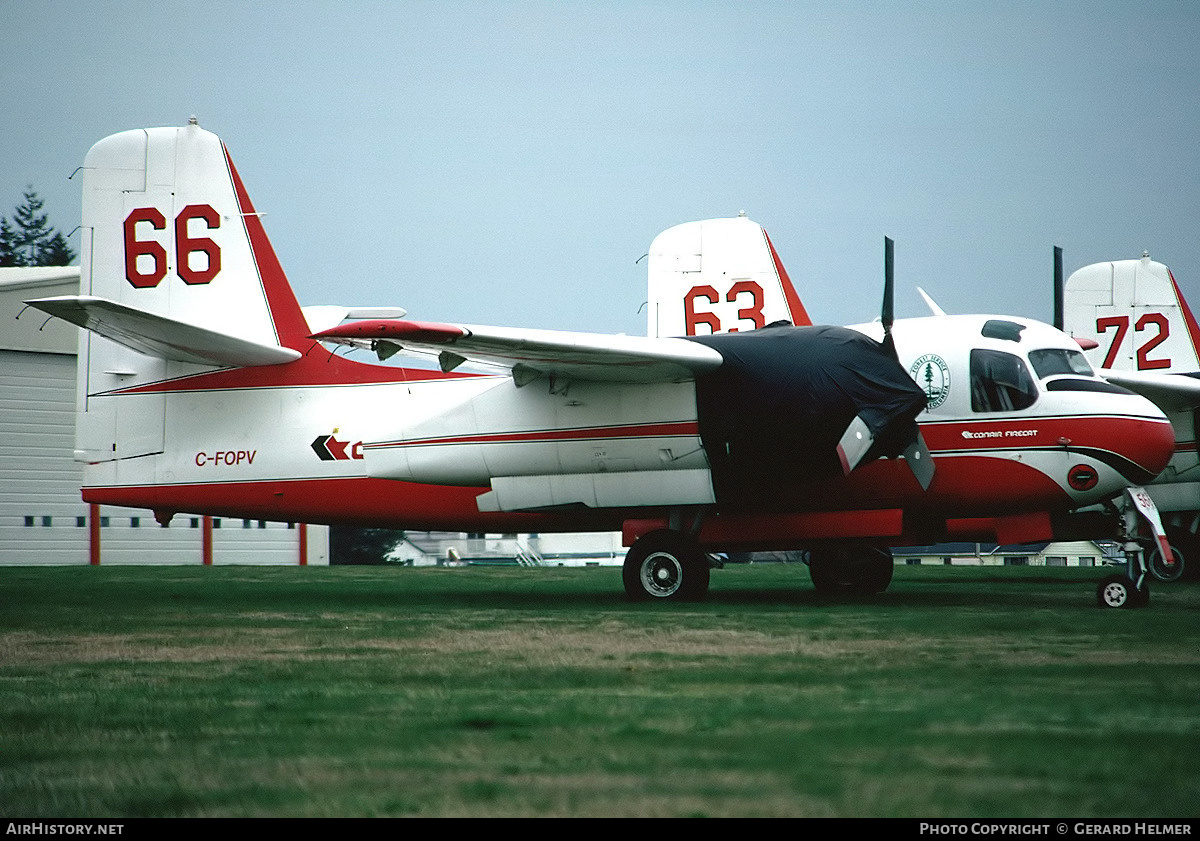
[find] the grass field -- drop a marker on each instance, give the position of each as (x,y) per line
(368,691)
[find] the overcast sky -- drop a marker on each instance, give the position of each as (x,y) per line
(509,162)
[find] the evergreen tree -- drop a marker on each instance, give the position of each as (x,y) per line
(33,227)
(9,255)
(30,240)
(55,251)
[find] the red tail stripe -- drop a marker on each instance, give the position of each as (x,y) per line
(1192,327)
(291,328)
(795,307)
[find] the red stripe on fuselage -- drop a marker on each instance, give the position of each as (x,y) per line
(965,486)
(1146,442)
(359,501)
(543,436)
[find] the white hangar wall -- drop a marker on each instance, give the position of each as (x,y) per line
(43,519)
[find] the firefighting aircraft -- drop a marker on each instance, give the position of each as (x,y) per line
(1145,338)
(205,388)
(724,275)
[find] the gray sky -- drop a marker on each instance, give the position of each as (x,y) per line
(509,162)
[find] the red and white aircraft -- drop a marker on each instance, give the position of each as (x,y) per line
(205,388)
(1147,340)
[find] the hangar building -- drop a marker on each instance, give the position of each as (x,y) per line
(43,519)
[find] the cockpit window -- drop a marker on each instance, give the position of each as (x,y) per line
(1000,382)
(1050,361)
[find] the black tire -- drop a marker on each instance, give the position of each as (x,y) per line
(1118,591)
(855,570)
(1189,547)
(665,566)
(1158,567)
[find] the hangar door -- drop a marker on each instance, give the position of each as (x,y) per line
(42,517)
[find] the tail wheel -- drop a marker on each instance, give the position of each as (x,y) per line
(858,570)
(1158,565)
(1189,548)
(1118,591)
(665,565)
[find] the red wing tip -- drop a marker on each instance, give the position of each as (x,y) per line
(413,331)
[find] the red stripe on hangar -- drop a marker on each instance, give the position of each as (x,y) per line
(543,436)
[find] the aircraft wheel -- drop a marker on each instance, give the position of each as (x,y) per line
(1158,566)
(1189,546)
(1118,591)
(851,570)
(665,565)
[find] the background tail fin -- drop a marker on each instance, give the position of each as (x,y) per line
(1135,312)
(717,276)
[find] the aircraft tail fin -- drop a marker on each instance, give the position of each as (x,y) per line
(717,276)
(169,229)
(1134,311)
(176,277)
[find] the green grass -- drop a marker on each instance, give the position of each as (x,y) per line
(367,691)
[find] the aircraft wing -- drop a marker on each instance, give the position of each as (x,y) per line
(160,336)
(530,354)
(1170,392)
(838,394)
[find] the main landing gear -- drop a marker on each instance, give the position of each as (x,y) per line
(850,570)
(666,565)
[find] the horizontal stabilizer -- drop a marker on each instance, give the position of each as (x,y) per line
(1170,392)
(159,336)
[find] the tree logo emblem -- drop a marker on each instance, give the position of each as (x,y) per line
(932,375)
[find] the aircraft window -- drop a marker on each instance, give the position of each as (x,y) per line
(1009,331)
(1050,361)
(1073,384)
(1000,382)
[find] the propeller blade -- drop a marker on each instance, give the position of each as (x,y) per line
(920,461)
(1057,287)
(854,444)
(857,441)
(888,314)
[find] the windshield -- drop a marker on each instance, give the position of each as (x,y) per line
(1000,382)
(1051,361)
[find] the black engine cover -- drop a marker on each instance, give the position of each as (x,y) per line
(772,415)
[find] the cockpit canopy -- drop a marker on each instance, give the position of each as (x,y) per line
(1001,382)
(1050,361)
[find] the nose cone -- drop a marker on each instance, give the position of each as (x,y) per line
(1148,447)
(1134,437)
